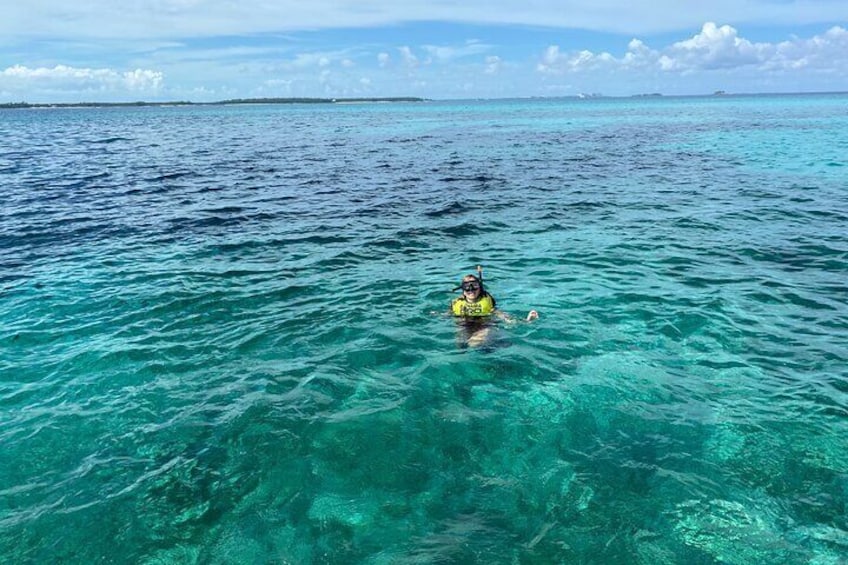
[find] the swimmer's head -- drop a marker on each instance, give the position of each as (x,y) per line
(472,286)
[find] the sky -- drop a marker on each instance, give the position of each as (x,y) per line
(210,50)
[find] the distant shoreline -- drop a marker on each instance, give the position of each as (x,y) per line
(25,105)
(247,101)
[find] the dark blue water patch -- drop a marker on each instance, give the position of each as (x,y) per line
(574,207)
(801,257)
(404,244)
(407,140)
(226,217)
(62,236)
(309,182)
(160,177)
(346,259)
(450,209)
(13,271)
(203,224)
(74,182)
(388,208)
(107,140)
(810,302)
(10,167)
(468,229)
(480,178)
(697,224)
(312,239)
(688,279)
(834,215)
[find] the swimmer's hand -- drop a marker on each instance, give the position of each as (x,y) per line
(510,320)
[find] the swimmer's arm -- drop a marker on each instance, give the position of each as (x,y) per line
(444,313)
(532,315)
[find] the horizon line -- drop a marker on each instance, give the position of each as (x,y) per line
(379,99)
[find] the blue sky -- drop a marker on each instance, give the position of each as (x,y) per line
(207,50)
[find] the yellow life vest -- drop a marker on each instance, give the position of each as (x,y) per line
(483,307)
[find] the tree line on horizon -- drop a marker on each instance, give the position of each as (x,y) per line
(219,103)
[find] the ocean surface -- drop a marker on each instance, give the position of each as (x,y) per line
(223,340)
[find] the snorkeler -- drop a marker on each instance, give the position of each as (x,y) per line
(476,308)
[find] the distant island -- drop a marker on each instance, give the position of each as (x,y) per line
(236,101)
(219,103)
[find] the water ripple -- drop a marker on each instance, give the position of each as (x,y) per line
(217,333)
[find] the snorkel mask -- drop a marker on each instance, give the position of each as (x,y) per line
(470,284)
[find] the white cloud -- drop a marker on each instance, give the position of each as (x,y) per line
(65,78)
(827,51)
(554,62)
(279,83)
(550,59)
(446,53)
(493,64)
(141,80)
(639,56)
(408,58)
(308,60)
(714,48)
(715,57)
(300,64)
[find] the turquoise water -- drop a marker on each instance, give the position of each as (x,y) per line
(218,346)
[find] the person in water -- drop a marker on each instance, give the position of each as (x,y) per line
(476,308)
